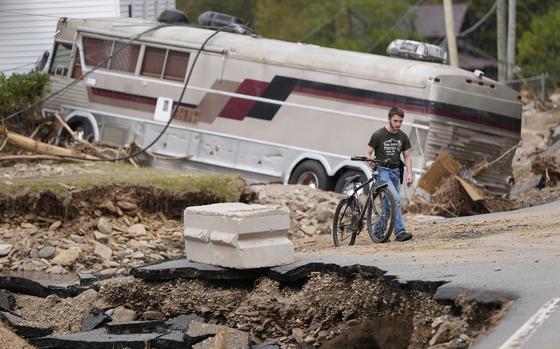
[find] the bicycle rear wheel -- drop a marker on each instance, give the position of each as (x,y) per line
(381,215)
(345,229)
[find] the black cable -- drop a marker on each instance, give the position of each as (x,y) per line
(175,108)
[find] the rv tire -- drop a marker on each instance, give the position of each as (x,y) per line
(81,126)
(310,173)
(341,184)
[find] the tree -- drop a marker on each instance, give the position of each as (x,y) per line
(539,47)
(360,25)
(242,9)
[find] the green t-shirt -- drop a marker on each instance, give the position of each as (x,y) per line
(389,146)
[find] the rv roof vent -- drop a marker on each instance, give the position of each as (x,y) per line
(173,17)
(217,20)
(417,50)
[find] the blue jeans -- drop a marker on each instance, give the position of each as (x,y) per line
(391,176)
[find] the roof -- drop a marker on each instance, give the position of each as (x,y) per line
(309,57)
(430,20)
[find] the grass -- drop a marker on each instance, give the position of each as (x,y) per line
(87,176)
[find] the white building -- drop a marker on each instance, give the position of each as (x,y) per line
(27,26)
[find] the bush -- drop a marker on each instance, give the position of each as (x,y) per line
(539,47)
(20,90)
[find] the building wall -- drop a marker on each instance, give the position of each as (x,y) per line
(27,26)
(147,9)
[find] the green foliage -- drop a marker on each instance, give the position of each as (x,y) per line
(539,46)
(360,25)
(19,90)
(242,9)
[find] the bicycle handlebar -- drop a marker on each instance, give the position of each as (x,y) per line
(365,158)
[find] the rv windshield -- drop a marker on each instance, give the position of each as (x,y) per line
(61,59)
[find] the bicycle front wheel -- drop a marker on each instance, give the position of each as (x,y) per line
(344,228)
(381,215)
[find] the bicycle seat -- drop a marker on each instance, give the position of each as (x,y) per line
(352,178)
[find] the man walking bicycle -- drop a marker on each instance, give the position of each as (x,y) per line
(388,143)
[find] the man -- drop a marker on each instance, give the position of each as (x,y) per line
(388,143)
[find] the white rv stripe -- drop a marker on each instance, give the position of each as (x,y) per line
(262,99)
(530,326)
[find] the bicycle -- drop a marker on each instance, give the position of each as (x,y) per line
(379,208)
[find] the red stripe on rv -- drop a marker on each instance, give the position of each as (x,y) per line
(237,108)
(404,106)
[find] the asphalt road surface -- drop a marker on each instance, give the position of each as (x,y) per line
(519,260)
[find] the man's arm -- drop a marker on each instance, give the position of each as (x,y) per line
(370,153)
(408,163)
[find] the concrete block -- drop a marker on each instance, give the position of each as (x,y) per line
(236,235)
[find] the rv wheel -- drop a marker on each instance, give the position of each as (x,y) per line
(82,129)
(310,173)
(342,186)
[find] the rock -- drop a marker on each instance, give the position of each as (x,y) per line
(5,249)
(25,328)
(225,337)
(308,230)
(445,332)
(55,226)
(137,230)
(29,226)
(309,339)
(181,322)
(67,257)
(7,300)
(137,255)
(47,252)
(94,319)
(103,251)
(298,334)
(122,314)
(57,269)
(104,226)
(127,205)
(77,238)
(153,315)
(100,237)
(322,214)
(108,206)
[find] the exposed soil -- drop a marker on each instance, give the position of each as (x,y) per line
(296,316)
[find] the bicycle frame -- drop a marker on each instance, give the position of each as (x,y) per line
(374,188)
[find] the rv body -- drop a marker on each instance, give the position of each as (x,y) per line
(269,108)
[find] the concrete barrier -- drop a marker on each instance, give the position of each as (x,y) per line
(237,235)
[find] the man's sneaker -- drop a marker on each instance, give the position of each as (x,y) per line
(403,236)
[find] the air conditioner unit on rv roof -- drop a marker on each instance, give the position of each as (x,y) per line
(417,50)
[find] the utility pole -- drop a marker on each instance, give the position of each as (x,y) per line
(501,37)
(511,39)
(450,30)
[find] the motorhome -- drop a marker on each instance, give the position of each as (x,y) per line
(269,109)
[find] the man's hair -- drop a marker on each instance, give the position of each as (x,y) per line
(396,111)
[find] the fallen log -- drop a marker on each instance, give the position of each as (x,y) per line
(37,147)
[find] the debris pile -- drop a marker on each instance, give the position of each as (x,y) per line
(446,190)
(311,210)
(547,165)
(536,165)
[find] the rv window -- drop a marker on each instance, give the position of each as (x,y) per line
(77,68)
(125,57)
(153,62)
(176,66)
(97,51)
(61,59)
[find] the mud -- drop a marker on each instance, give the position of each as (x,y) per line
(150,199)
